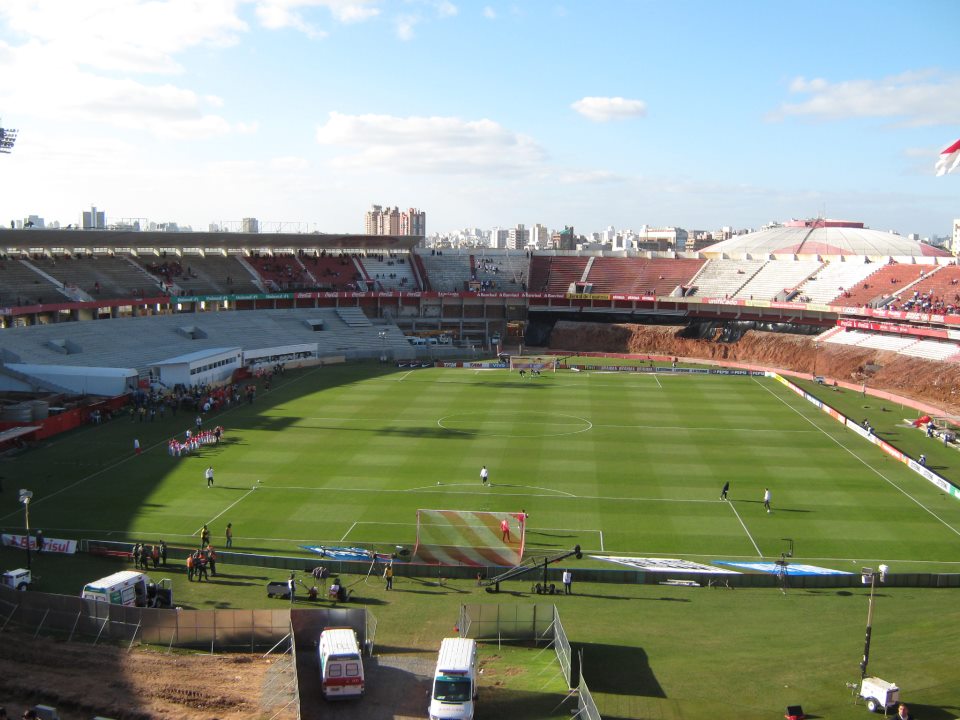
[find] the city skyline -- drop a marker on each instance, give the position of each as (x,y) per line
(481,114)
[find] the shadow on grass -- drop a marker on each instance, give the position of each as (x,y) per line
(933,712)
(618,670)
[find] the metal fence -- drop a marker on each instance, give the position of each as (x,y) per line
(75,618)
(586,707)
(532,622)
(561,646)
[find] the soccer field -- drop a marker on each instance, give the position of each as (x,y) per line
(622,464)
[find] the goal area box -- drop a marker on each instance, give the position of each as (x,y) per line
(469,537)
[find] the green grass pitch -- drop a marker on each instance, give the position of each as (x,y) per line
(618,463)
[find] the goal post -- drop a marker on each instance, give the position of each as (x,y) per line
(534,362)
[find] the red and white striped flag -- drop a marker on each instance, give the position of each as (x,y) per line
(949,159)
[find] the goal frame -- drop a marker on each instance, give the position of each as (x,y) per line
(534,362)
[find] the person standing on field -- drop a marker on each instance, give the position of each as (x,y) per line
(766,499)
(388,576)
(484,475)
(229,535)
(726,488)
(209,475)
(567,582)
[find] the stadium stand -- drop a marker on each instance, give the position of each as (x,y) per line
(390,272)
(100,276)
(936,292)
(447,272)
(775,279)
(501,271)
(652,276)
(723,278)
(21,284)
(876,289)
(353,317)
(833,279)
(849,337)
(555,274)
(282,272)
(216,274)
(933,350)
(892,343)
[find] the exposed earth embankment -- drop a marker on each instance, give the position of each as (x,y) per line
(924,380)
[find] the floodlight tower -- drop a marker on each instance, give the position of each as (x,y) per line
(25,496)
(8,136)
(869,576)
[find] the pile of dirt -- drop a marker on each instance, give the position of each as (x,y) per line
(83,681)
(924,380)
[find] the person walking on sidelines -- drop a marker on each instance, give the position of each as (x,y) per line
(726,488)
(766,499)
(209,475)
(229,535)
(567,582)
(484,475)
(136,446)
(388,575)
(505,530)
(292,586)
(204,536)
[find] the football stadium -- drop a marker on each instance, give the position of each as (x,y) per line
(720,484)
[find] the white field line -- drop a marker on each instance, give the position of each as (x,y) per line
(658,381)
(348,532)
(639,553)
(228,507)
(486,492)
(404,376)
(864,462)
(744,526)
(601,540)
(82,480)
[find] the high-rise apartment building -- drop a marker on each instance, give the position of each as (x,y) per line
(94,219)
(249,225)
(518,238)
(390,221)
(498,238)
(540,236)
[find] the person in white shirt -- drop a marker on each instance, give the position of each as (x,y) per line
(766,499)
(567,582)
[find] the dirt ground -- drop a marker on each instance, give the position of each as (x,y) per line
(83,681)
(931,382)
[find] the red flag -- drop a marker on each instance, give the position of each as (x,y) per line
(949,159)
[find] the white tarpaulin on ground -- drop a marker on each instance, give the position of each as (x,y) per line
(664,565)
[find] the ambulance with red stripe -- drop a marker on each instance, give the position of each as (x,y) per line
(341,664)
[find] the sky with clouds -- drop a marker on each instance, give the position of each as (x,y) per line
(587,113)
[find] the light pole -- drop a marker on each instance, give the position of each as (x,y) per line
(25,496)
(869,576)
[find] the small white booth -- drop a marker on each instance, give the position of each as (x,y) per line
(105,381)
(203,367)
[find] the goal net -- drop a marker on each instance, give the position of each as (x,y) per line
(469,537)
(534,362)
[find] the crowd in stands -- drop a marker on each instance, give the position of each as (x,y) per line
(929,302)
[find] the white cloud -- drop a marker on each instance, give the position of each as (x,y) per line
(445,8)
(279,14)
(489,13)
(444,145)
(603,109)
(404,26)
(912,98)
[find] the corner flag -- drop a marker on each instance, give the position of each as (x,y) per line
(949,159)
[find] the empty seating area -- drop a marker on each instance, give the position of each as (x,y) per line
(281,272)
(447,271)
(214,275)
(100,276)
(832,280)
(776,278)
(876,288)
(936,292)
(21,285)
(722,278)
(390,272)
(933,350)
(555,274)
(353,317)
(656,276)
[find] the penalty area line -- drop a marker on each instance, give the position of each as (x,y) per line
(225,509)
(744,526)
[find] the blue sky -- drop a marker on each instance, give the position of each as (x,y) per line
(697,114)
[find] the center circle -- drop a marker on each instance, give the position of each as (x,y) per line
(516,423)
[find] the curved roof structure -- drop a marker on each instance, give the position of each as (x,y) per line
(824,238)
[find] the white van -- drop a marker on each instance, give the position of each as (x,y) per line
(454,693)
(127,587)
(130,587)
(341,665)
